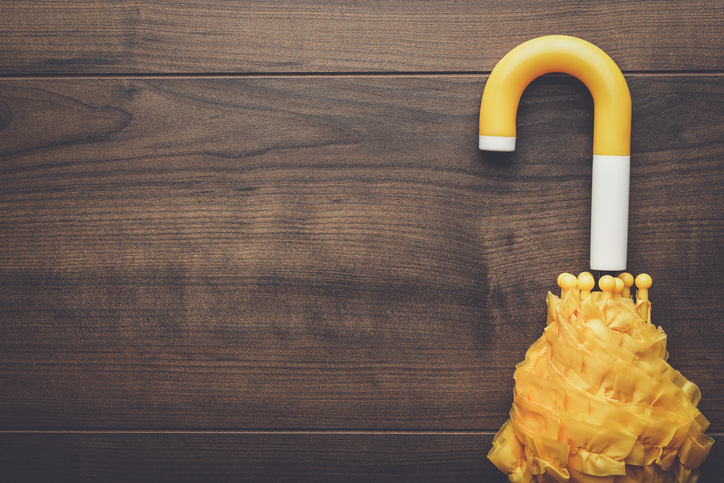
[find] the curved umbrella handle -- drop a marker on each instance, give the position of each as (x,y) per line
(611,128)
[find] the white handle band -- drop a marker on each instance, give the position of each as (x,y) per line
(609,212)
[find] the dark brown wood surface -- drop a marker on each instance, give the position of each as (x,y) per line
(319,277)
(268,456)
(215,36)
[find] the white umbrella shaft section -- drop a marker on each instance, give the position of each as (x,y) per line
(609,212)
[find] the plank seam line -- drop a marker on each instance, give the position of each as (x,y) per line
(264,432)
(242,75)
(247,431)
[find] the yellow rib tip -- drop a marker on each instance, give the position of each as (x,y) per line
(586,282)
(607,284)
(567,282)
(628,281)
(643,284)
(618,288)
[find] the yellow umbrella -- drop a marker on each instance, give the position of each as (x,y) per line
(594,399)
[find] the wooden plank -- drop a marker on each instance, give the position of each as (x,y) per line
(324,252)
(264,456)
(181,457)
(81,37)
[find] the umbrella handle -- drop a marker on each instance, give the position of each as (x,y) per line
(611,128)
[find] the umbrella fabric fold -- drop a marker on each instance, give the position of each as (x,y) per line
(596,401)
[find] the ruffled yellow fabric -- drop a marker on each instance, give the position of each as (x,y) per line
(596,402)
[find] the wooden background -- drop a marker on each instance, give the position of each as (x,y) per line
(256,241)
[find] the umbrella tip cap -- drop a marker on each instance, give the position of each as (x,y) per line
(607,283)
(643,281)
(567,281)
(618,288)
(628,279)
(586,281)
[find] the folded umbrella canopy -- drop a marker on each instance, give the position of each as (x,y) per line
(594,399)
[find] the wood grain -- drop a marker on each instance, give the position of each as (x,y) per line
(324,252)
(224,36)
(186,457)
(304,277)
(264,456)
